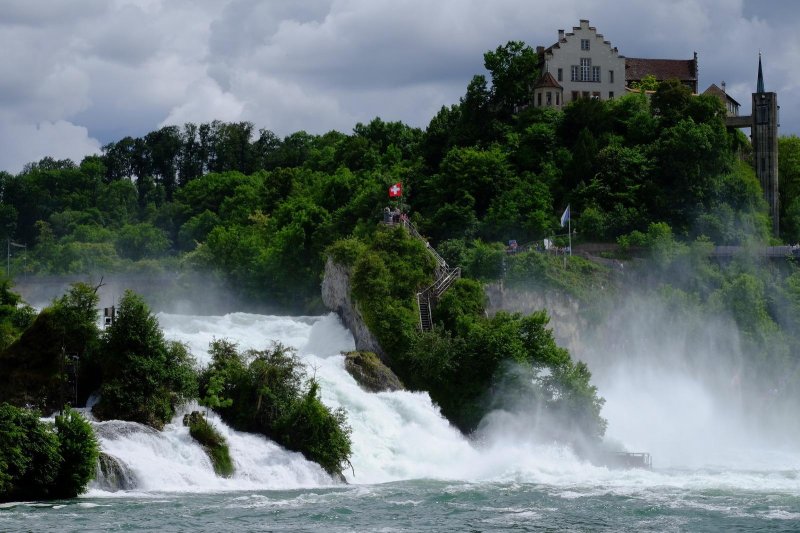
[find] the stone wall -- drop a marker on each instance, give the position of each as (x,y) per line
(564,310)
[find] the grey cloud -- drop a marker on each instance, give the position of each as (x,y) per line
(125,67)
(54,12)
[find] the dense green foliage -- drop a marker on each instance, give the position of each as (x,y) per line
(79,451)
(33,369)
(39,460)
(212,441)
(267,392)
(144,376)
(15,315)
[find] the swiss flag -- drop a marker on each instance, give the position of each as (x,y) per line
(396,190)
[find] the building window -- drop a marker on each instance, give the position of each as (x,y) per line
(610,95)
(574,95)
(558,102)
(539,100)
(584,44)
(574,73)
(762,115)
(549,98)
(596,74)
(610,76)
(561,74)
(586,68)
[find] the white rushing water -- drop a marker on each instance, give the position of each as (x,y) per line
(396,435)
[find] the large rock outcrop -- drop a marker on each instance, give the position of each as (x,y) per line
(369,372)
(336,297)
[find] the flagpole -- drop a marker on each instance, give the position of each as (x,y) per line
(569,228)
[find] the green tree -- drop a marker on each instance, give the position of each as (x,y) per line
(144,376)
(270,394)
(648,83)
(32,368)
(39,460)
(514,70)
(79,450)
(29,455)
(670,101)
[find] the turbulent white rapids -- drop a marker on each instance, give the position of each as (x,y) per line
(396,435)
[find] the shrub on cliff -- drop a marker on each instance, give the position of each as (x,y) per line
(212,442)
(144,376)
(267,392)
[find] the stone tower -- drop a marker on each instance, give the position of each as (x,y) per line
(764,136)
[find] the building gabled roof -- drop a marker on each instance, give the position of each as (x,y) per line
(719,93)
(547,80)
(543,52)
(636,68)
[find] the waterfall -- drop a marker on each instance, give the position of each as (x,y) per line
(170,460)
(396,436)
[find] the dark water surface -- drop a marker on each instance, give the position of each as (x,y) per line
(419,506)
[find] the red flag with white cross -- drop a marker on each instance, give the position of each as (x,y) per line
(396,190)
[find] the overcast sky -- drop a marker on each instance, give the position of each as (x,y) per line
(77,74)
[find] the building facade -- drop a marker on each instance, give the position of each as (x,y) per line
(582,64)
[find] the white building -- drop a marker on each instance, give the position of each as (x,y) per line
(580,65)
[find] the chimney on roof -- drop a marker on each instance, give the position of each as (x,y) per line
(723,86)
(560,35)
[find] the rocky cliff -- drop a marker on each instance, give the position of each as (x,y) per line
(336,297)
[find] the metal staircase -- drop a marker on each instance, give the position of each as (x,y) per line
(445,277)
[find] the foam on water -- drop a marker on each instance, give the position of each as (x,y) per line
(401,435)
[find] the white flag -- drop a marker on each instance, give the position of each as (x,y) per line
(565,216)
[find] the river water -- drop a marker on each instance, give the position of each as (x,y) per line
(413,472)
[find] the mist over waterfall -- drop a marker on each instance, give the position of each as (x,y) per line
(675,385)
(396,435)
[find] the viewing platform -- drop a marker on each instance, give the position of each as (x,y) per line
(627,460)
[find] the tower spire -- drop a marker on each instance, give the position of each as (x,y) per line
(760,86)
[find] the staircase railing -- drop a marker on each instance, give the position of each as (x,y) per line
(445,277)
(425,316)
